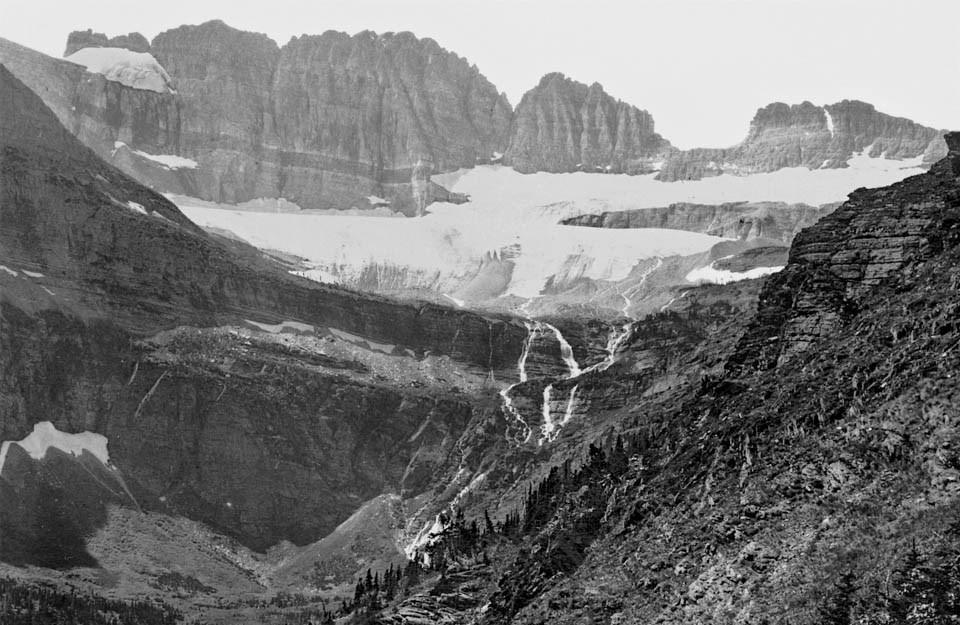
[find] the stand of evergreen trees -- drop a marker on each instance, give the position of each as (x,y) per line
(463,540)
(29,604)
(924,590)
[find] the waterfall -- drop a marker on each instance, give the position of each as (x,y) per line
(570,403)
(550,429)
(566,351)
(547,428)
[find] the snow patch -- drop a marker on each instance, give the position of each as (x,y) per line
(384,348)
(139,70)
(32,274)
(280,327)
(170,161)
(8,270)
(45,435)
(167,161)
(346,336)
(457,301)
(377,201)
(710,275)
(137,207)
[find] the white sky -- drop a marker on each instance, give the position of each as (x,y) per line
(701,67)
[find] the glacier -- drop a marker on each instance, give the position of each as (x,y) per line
(139,70)
(507,240)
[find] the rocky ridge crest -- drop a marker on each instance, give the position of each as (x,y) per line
(562,125)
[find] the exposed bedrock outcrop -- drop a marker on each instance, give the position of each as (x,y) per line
(324,121)
(264,444)
(562,125)
(815,137)
(80,39)
(745,221)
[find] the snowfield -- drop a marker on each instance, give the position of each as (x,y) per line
(133,69)
(512,220)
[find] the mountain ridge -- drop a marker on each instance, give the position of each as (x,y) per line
(334,121)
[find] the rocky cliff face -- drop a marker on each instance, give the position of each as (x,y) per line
(390,107)
(138,321)
(80,39)
(327,121)
(101,113)
(562,125)
(805,135)
(338,121)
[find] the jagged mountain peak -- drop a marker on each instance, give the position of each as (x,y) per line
(816,137)
(783,114)
(79,39)
(324,121)
(563,125)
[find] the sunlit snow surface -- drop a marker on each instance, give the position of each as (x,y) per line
(516,217)
(710,275)
(134,69)
(168,161)
(45,435)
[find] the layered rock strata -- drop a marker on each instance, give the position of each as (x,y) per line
(815,137)
(835,265)
(562,125)
(326,121)
(744,221)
